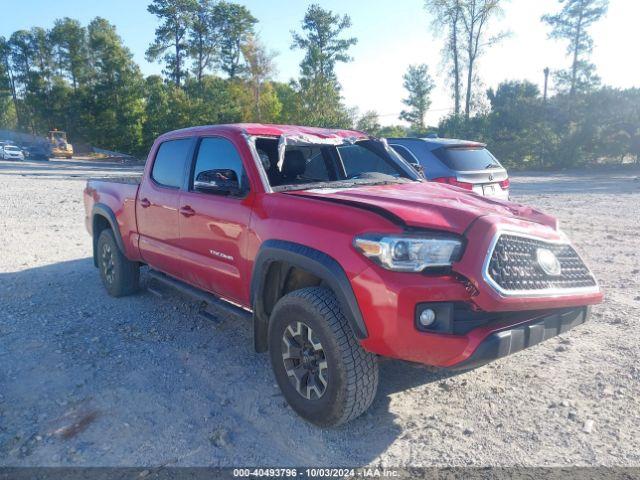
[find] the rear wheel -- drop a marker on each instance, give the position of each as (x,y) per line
(120,276)
(323,372)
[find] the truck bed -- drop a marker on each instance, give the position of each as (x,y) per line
(117,195)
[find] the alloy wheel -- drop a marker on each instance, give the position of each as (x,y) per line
(304,360)
(108,267)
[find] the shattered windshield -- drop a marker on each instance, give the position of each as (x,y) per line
(301,166)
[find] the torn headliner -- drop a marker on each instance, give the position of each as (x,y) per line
(306,139)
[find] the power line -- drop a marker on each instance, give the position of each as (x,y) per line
(430,110)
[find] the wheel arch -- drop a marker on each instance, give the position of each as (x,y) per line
(102,217)
(281,267)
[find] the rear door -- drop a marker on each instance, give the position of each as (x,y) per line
(214,227)
(157,206)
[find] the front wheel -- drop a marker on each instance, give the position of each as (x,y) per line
(120,276)
(323,372)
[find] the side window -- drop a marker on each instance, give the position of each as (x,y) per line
(404,153)
(218,158)
(169,165)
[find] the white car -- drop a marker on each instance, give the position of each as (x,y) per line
(11,152)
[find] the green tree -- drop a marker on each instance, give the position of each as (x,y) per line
(39,85)
(20,47)
(70,40)
(8,99)
(204,37)
(572,24)
(476,16)
(518,129)
(258,70)
(321,102)
(117,91)
(21,54)
(369,122)
(167,107)
(393,131)
(236,27)
(170,43)
(291,103)
(322,42)
(419,85)
(446,20)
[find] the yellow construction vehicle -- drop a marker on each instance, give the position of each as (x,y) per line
(59,145)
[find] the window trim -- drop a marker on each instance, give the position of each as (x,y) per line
(188,160)
(194,160)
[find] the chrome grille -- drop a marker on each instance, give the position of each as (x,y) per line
(513,266)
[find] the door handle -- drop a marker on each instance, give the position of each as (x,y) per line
(144,203)
(187,211)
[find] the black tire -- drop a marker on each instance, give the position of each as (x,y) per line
(349,378)
(120,276)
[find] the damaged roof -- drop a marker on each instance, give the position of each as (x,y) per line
(272,130)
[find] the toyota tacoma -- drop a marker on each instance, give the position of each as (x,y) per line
(339,252)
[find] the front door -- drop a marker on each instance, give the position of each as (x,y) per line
(213,224)
(157,206)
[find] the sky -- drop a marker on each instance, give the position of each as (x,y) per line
(391,36)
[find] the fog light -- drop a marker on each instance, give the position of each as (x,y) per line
(427,317)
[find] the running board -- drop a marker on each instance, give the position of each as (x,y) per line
(209,299)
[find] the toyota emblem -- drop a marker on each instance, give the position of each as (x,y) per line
(548,262)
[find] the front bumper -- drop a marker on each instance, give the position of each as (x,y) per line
(390,301)
(512,339)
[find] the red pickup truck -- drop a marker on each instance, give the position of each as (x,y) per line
(339,252)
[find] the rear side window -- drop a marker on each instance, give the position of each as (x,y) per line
(169,166)
(219,154)
(404,153)
(466,159)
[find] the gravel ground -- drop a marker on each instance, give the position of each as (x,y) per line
(86,379)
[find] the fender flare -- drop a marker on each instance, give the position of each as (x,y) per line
(314,261)
(102,210)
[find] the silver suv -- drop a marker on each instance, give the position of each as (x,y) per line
(462,163)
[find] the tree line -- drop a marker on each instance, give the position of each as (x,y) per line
(216,69)
(82,79)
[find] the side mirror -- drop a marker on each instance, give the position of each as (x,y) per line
(222,181)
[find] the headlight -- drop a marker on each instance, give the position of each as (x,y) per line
(409,253)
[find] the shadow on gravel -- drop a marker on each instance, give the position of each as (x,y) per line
(163,385)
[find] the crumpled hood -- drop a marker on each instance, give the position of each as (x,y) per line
(429,204)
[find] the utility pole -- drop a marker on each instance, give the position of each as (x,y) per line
(546,80)
(544,99)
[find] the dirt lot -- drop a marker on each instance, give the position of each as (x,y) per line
(86,379)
